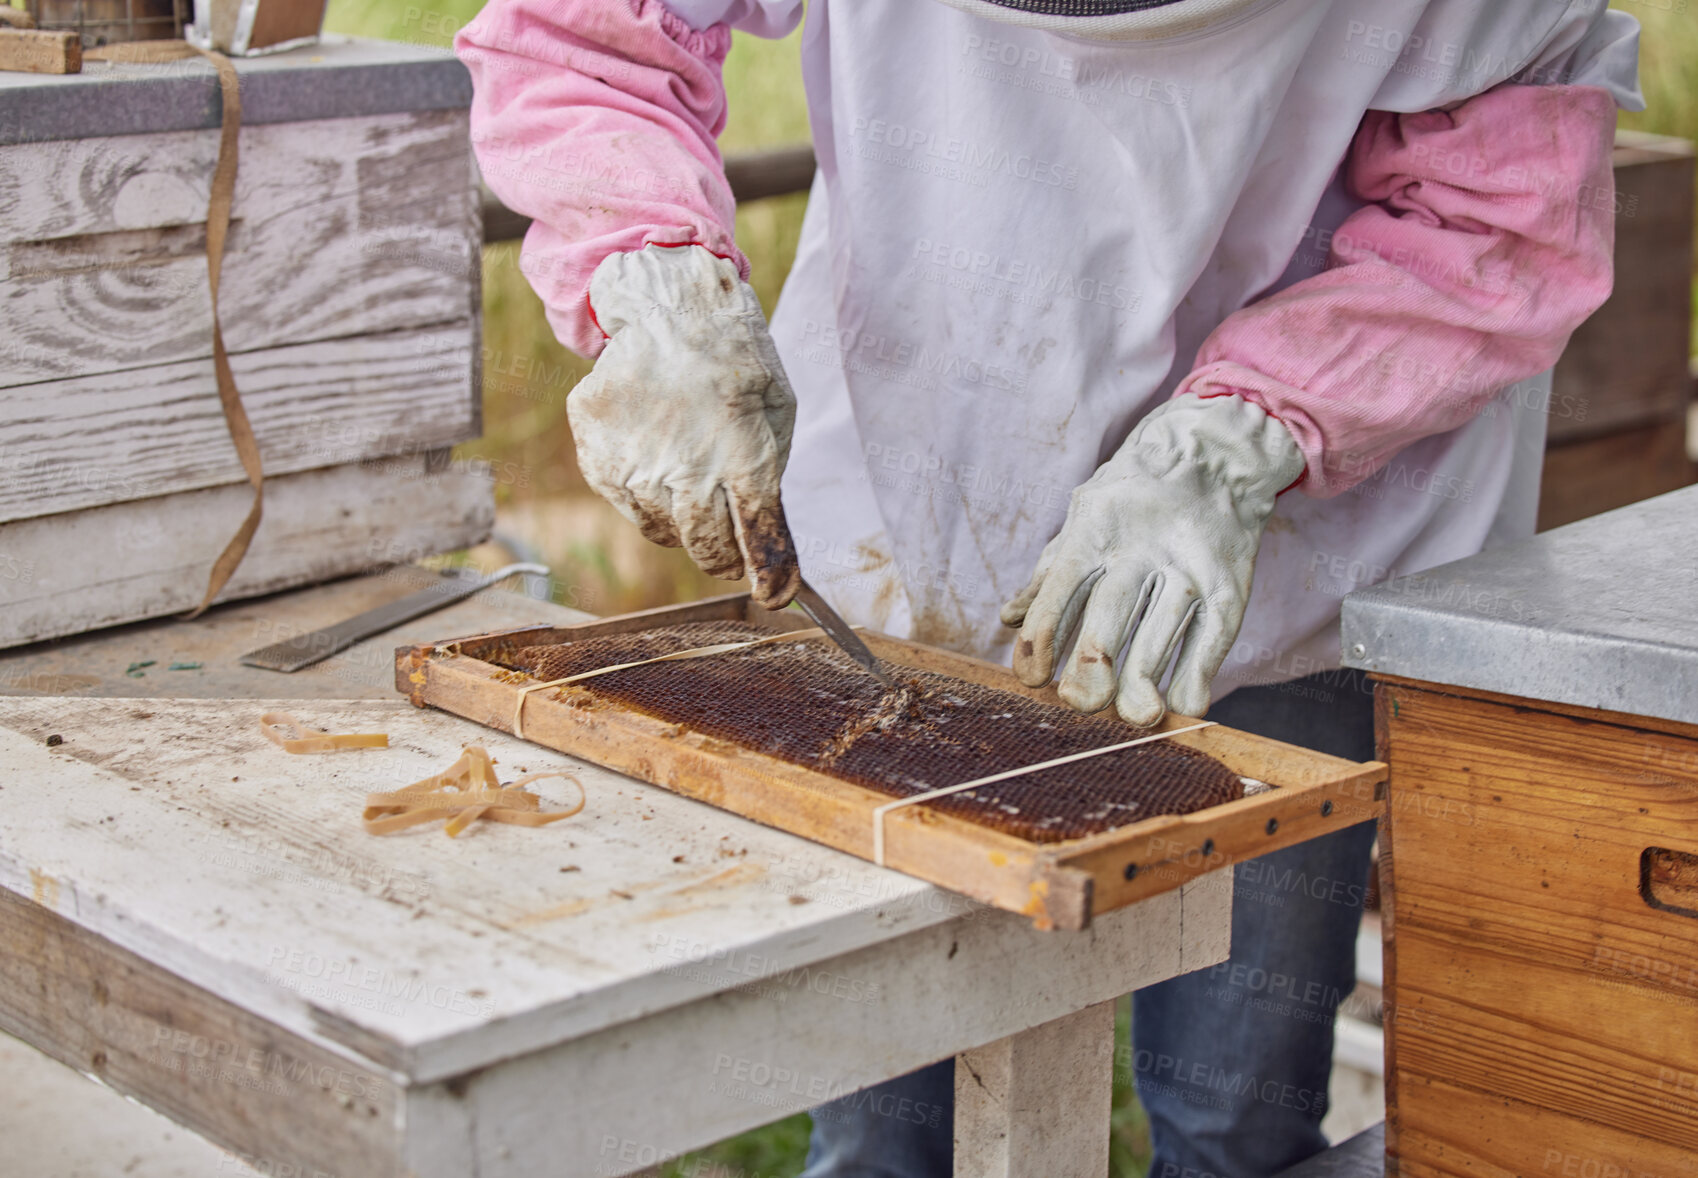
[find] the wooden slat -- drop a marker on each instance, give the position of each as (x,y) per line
(753,175)
(341,227)
(1037,1102)
(1056,884)
(1599,474)
(117,437)
(70,573)
(37,51)
(1526,972)
(1626,365)
(229,1075)
(1621,719)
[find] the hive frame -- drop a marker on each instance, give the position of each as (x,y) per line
(1058,885)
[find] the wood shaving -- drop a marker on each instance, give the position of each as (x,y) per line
(290,735)
(462,793)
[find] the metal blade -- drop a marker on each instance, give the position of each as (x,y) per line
(840,632)
(303,650)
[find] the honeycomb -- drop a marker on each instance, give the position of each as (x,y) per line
(808,703)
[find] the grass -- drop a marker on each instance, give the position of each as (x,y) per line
(600,561)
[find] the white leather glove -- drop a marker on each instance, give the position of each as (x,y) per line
(684,424)
(1159,546)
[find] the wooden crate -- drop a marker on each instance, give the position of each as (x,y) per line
(1617,430)
(350,306)
(1057,884)
(1540,896)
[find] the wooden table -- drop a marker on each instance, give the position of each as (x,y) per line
(197,920)
(1538,706)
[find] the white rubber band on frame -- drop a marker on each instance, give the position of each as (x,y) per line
(880,812)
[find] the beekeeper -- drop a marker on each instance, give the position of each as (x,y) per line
(1123,339)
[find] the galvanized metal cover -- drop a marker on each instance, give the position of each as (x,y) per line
(1602,614)
(340,77)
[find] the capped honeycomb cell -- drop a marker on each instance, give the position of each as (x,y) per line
(808,703)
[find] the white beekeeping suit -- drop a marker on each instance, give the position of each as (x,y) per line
(1033,224)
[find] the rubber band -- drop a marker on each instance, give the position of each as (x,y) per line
(290,735)
(694,652)
(463,793)
(879,813)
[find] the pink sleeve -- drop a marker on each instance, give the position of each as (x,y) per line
(597,119)
(1490,239)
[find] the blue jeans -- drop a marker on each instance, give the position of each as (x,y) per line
(1231,1062)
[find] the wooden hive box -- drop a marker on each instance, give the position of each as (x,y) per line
(1538,707)
(350,306)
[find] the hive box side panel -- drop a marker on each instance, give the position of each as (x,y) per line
(67,574)
(1528,972)
(348,301)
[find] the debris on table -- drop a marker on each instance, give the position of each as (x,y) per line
(290,735)
(138,669)
(464,792)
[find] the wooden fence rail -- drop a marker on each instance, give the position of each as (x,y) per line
(753,175)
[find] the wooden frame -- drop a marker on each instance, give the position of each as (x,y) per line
(1059,885)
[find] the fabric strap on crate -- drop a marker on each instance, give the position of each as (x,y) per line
(217,229)
(880,812)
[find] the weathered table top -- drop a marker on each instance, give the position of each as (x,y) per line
(689,974)
(1600,614)
(340,77)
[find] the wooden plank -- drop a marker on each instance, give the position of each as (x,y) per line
(204,1062)
(1542,1010)
(35,51)
(341,227)
(67,574)
(425,955)
(1454,1132)
(689,1075)
(1058,884)
(90,441)
(1626,365)
(1621,719)
(1599,474)
(1037,1102)
(753,175)
(94,665)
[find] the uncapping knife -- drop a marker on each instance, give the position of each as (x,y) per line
(303,650)
(839,631)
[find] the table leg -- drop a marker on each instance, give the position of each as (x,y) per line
(1038,1102)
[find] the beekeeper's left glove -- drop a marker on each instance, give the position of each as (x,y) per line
(684,424)
(1159,547)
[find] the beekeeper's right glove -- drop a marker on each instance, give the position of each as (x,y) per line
(684,424)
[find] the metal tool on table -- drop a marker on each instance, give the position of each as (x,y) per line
(841,632)
(304,650)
